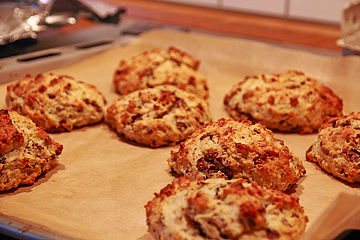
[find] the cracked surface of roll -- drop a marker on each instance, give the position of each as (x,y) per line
(287,102)
(237,149)
(337,149)
(163,115)
(160,67)
(223,209)
(26,151)
(56,102)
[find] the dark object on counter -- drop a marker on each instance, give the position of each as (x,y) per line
(16,47)
(349,234)
(111,18)
(77,8)
(348,52)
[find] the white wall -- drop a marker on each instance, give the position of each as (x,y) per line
(273,7)
(323,10)
(206,3)
(327,11)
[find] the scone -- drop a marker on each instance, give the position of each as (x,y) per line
(163,115)
(237,149)
(26,151)
(223,209)
(160,67)
(337,149)
(288,102)
(56,102)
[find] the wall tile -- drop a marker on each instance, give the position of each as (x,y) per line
(206,3)
(318,10)
(272,7)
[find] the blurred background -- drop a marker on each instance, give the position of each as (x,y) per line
(28,26)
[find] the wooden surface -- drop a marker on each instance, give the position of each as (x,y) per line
(274,29)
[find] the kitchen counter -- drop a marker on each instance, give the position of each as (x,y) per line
(142,15)
(273,29)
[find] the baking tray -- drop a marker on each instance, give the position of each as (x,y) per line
(102,182)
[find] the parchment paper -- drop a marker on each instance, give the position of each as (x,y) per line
(102,182)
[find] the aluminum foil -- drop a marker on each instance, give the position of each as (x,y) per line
(24,18)
(21,19)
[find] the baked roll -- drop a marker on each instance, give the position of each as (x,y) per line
(287,102)
(223,209)
(163,115)
(337,149)
(56,102)
(237,149)
(160,67)
(26,151)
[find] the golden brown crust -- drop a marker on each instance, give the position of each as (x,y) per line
(288,102)
(160,67)
(337,149)
(223,209)
(56,102)
(237,149)
(35,154)
(163,115)
(10,137)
